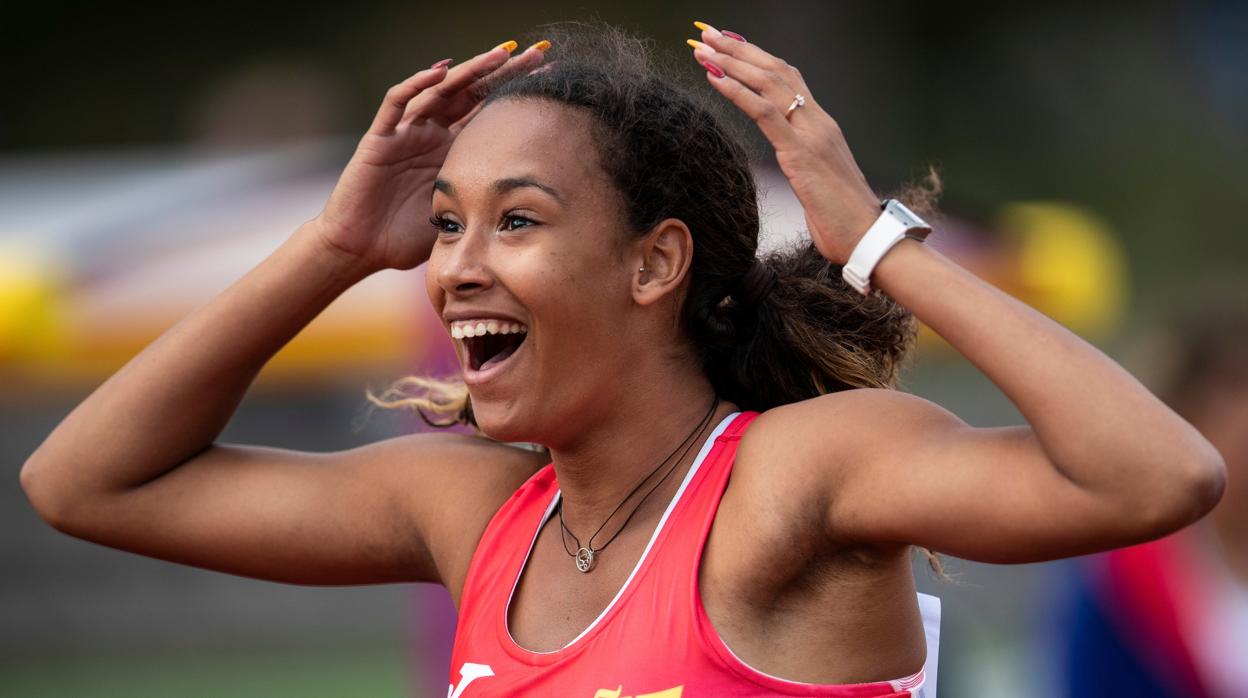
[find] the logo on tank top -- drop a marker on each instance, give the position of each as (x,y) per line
(667,693)
(468,673)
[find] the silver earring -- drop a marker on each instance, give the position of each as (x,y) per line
(642,269)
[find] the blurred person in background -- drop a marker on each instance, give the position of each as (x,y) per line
(590,230)
(1169,618)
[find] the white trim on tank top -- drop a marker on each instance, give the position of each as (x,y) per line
(706,448)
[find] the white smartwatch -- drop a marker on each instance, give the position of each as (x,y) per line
(894,224)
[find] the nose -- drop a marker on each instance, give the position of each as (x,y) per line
(463,267)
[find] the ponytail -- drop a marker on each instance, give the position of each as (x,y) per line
(812,334)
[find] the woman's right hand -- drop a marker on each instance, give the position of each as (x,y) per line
(378,213)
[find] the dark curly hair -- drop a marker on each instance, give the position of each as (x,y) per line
(671,153)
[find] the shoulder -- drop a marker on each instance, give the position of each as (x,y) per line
(845,422)
(856,407)
(460,464)
(462,481)
(805,452)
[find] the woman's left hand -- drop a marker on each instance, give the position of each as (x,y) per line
(810,149)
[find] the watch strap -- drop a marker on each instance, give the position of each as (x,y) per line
(894,223)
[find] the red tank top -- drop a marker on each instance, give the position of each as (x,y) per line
(654,640)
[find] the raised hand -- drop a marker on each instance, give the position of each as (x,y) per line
(378,212)
(810,149)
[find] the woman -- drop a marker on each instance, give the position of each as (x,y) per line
(591,244)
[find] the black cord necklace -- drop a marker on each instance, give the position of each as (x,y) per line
(586,555)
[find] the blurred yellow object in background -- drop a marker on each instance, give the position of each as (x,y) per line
(1069,265)
(32,322)
(1058,258)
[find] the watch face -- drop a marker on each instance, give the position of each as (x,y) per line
(908,218)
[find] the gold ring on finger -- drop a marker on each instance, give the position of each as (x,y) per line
(798,101)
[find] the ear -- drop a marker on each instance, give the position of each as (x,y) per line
(666,253)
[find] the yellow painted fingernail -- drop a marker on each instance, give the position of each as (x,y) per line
(698,44)
(508,46)
(541,45)
(706,28)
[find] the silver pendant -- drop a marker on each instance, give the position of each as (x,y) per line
(584,559)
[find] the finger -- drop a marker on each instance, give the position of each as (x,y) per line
(398,96)
(769,84)
(764,112)
(525,61)
(458,125)
(458,78)
(750,53)
(461,92)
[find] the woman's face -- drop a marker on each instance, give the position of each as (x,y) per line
(532,232)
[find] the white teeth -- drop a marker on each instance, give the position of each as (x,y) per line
(478,328)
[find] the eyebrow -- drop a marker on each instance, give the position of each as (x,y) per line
(502,186)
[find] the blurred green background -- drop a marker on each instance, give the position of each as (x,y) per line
(150,153)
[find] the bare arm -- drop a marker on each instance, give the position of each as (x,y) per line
(1102,462)
(135,466)
(405,509)
(173,399)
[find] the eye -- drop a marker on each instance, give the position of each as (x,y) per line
(444,224)
(511,218)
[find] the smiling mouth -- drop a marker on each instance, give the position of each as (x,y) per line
(486,350)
